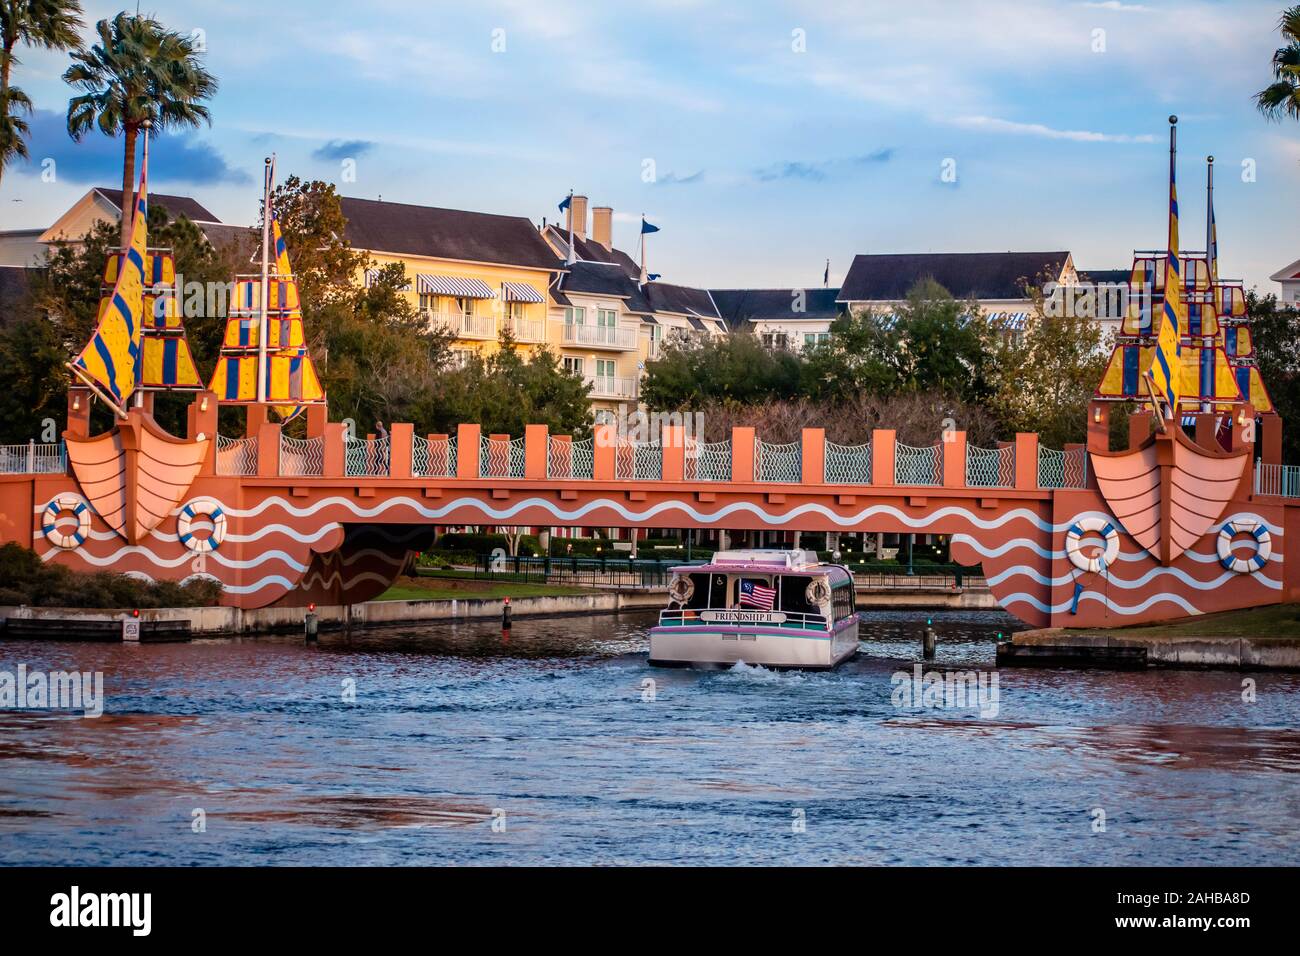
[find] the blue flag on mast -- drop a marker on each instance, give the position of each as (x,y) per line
(646,227)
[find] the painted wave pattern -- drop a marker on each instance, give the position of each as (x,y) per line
(276,546)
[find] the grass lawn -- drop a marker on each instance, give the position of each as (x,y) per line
(1280,621)
(444,585)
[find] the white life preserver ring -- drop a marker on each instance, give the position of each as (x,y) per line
(202,506)
(49,520)
(1074,539)
(1263,545)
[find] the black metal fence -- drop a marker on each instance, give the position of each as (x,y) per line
(651,573)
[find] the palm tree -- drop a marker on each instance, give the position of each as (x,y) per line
(138,73)
(1282,96)
(51,24)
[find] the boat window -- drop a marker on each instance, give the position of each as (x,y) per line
(700,598)
(794,595)
(843,599)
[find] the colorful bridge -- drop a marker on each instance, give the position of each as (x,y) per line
(1079,536)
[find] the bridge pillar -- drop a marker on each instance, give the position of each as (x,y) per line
(400,437)
(335,464)
(1271,440)
(536,448)
(254,420)
(203,421)
(742,453)
(604,448)
(1139,428)
(318,417)
(813,456)
(882,457)
(673,440)
(268,447)
(78,412)
(467,442)
(1026,461)
(1099,426)
(954,460)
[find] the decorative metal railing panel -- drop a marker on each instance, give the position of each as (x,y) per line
(34,458)
(571,459)
(1062,469)
(368,457)
(778,462)
(236,456)
(990,467)
(918,466)
(707,461)
(848,464)
(1279,480)
(302,456)
(499,458)
(434,458)
(639,461)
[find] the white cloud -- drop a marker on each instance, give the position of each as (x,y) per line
(993,124)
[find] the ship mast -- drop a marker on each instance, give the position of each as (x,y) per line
(265,303)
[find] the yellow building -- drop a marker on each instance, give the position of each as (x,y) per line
(471,272)
(605,323)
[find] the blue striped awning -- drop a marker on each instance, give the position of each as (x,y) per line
(520,292)
(1015,321)
(456,287)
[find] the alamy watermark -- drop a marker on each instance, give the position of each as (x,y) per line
(946,690)
(56,690)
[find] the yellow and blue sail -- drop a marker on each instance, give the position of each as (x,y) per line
(1166,371)
(291,382)
(111,360)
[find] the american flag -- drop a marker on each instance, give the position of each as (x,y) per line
(753,594)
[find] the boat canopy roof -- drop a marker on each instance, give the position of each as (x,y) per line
(764,560)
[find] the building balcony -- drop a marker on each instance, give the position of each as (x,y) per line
(461,324)
(600,337)
(527,330)
(612,386)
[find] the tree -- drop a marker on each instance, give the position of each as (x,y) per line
(138,73)
(941,343)
(35,380)
(732,368)
(1275,334)
(861,357)
(1282,96)
(1044,377)
(49,24)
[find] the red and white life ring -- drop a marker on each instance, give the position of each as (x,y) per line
(1263,545)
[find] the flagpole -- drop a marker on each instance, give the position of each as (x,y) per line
(144,179)
(1206,340)
(1169,240)
(643,272)
(267,177)
(572,256)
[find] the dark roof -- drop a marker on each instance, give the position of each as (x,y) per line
(15,284)
(175,205)
(1106,276)
(738,306)
(245,240)
(589,250)
(980,275)
(681,299)
(445,234)
(602,278)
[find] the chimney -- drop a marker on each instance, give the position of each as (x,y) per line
(602,225)
(578,216)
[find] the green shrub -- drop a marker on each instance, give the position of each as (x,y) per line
(26,579)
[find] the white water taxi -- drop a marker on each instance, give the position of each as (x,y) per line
(782,609)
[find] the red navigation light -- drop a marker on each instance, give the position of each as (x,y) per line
(311,607)
(135,613)
(507,600)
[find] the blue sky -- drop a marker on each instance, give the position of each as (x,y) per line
(780,134)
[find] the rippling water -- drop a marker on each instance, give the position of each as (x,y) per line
(452,722)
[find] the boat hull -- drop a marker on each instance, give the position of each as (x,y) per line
(775,647)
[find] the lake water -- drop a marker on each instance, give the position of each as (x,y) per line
(463,746)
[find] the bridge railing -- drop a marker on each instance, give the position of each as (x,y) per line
(745,458)
(33,458)
(1282,481)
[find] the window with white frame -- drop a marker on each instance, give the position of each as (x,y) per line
(575,315)
(573,363)
(605,368)
(606,318)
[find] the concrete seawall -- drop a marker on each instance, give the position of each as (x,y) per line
(1057,647)
(216,621)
